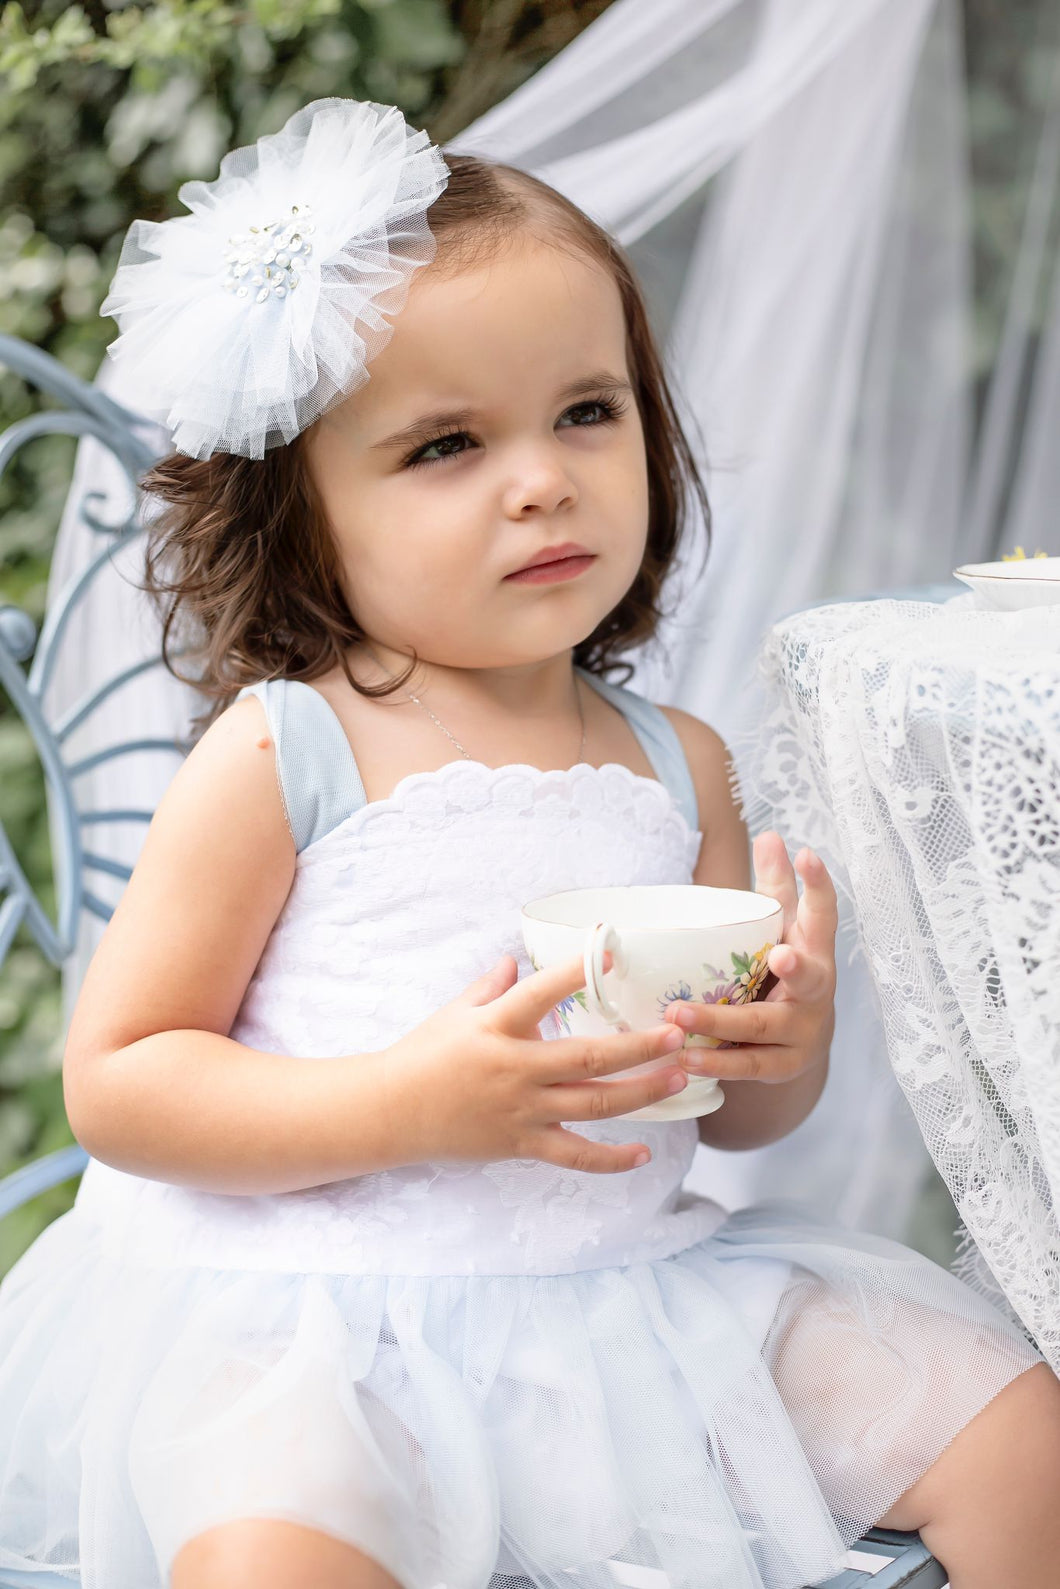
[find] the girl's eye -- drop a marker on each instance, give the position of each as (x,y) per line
(441,441)
(607,409)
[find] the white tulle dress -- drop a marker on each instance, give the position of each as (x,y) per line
(487,1376)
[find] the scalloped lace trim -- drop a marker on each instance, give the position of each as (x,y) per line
(463,784)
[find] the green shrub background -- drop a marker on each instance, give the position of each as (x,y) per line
(105,109)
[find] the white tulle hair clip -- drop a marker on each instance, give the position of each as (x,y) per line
(244,321)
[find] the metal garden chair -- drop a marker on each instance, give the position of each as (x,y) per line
(883,1560)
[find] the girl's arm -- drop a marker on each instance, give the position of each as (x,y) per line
(754,1113)
(152,1083)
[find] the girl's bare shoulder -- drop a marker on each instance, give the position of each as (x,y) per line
(227,790)
(211,879)
(224,798)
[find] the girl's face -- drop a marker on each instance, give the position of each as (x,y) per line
(497,423)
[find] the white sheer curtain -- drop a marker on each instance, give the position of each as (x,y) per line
(110,628)
(790,178)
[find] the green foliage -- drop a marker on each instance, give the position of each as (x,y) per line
(1011,51)
(32,1118)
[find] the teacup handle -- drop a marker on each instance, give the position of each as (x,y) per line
(603,938)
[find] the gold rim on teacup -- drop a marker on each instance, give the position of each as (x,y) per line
(1016,569)
(697,926)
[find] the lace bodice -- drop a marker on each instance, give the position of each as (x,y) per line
(390,915)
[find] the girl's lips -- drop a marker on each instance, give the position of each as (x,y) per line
(547,573)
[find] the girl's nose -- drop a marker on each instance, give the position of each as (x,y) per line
(539,483)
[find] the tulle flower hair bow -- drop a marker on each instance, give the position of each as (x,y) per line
(247,319)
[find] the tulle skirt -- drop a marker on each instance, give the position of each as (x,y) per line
(731,1417)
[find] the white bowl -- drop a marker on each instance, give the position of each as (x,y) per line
(1024,582)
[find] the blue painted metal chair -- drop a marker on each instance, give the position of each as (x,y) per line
(883,1559)
(87,412)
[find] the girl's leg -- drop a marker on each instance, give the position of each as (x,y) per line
(987,1504)
(987,1508)
(267,1553)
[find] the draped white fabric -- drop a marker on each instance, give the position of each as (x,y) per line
(110,628)
(789,177)
(920,745)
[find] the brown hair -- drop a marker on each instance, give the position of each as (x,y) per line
(240,561)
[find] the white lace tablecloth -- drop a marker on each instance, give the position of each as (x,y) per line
(916,748)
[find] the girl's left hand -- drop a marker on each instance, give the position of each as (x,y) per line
(789,1031)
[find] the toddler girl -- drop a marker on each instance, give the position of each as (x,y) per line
(367,1285)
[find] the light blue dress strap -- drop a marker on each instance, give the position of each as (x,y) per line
(659,740)
(317,771)
(320,785)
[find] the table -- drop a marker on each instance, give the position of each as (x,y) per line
(916,748)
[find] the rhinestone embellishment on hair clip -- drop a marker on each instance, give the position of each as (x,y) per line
(269,258)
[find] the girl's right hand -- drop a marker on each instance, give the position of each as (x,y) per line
(477,1081)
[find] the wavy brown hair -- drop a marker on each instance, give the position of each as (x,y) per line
(240,560)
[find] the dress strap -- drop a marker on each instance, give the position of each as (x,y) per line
(659,740)
(315,765)
(317,771)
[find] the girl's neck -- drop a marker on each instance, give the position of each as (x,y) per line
(392,737)
(534,689)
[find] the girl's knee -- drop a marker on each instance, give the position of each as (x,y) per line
(269,1553)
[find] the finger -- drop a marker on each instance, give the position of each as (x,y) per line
(492,983)
(818,913)
(759,1022)
(774,875)
(800,976)
(585,1058)
(557,1145)
(602,1100)
(748,1062)
(532,997)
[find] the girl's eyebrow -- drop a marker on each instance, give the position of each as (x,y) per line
(455,418)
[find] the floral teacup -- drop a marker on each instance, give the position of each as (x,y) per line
(667,941)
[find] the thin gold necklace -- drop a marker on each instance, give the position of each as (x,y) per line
(423,708)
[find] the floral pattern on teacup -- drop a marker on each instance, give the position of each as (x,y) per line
(680,990)
(752,971)
(749,972)
(717,995)
(565,1006)
(721,993)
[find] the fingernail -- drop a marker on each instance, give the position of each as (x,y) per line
(683,1017)
(672,1040)
(642,1158)
(676,1083)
